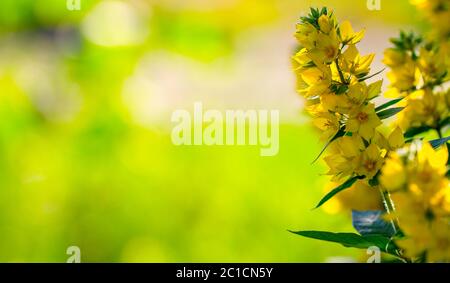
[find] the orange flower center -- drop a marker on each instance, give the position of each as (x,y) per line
(362,117)
(330,51)
(370,165)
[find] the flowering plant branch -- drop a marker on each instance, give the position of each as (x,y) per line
(410,173)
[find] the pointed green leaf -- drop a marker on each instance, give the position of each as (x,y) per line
(339,134)
(347,184)
(437,143)
(384,114)
(353,240)
(370,76)
(387,104)
(411,132)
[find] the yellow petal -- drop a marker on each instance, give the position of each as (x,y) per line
(374,89)
(373,152)
(366,131)
(346,30)
(396,139)
(311,75)
(325,23)
(351,52)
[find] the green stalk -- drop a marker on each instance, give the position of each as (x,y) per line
(341,75)
(390,208)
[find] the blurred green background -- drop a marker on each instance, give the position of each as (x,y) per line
(85,152)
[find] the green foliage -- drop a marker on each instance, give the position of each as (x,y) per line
(364,77)
(388,104)
(353,240)
(414,131)
(347,184)
(407,42)
(339,134)
(387,113)
(314,15)
(439,142)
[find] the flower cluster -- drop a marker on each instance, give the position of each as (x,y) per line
(331,75)
(417,71)
(417,179)
(417,182)
(411,175)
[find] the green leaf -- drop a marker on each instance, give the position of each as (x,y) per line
(437,143)
(387,104)
(339,88)
(384,114)
(347,184)
(339,134)
(411,132)
(353,240)
(374,181)
(371,76)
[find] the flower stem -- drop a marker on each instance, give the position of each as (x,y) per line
(341,75)
(390,208)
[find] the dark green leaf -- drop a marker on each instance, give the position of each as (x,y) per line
(371,222)
(347,184)
(387,104)
(339,134)
(374,181)
(437,143)
(353,240)
(371,76)
(411,132)
(384,114)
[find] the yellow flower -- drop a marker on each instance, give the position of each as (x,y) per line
(356,64)
(318,80)
(344,155)
(358,93)
(347,35)
(306,35)
(423,107)
(313,106)
(432,64)
(370,161)
(425,234)
(421,194)
(328,123)
(326,23)
(394,58)
(335,102)
(404,77)
(301,58)
(326,49)
(436,159)
(363,121)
